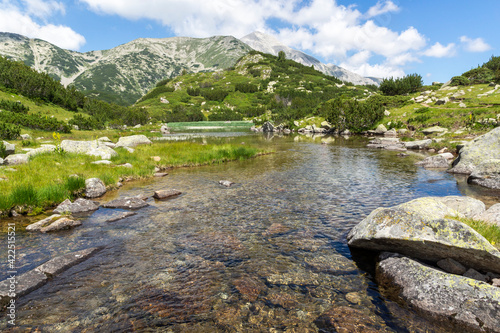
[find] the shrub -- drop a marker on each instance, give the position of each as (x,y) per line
(479,75)
(13,106)
(193,92)
(400,86)
(9,131)
(33,121)
(391,101)
(217,95)
(351,114)
(422,110)
(3,150)
(246,87)
(459,81)
(86,123)
(493,64)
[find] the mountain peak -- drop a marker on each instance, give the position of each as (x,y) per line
(262,42)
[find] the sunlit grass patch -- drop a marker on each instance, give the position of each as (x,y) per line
(488,230)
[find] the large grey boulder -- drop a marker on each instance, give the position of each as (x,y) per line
(132,141)
(91,148)
(16,159)
(418,144)
(467,206)
(465,304)
(434,130)
(94,188)
(423,229)
(492,215)
(267,127)
(434,162)
(483,148)
(10,148)
(381,129)
(486,174)
(79,206)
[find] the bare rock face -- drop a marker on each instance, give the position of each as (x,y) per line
(421,229)
(94,188)
(486,174)
(467,206)
(461,303)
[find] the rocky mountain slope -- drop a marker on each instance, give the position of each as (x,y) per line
(125,73)
(268,44)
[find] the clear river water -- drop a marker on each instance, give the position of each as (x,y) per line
(268,254)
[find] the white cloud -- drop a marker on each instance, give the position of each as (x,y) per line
(440,51)
(475,45)
(21,21)
(377,70)
(382,8)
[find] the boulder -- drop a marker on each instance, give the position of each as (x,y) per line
(61,224)
(132,141)
(166,194)
(16,159)
(392,133)
(418,144)
(79,206)
(492,215)
(442,101)
(91,148)
(435,161)
(467,206)
(41,150)
(126,203)
(226,183)
(42,223)
(326,125)
(448,156)
(94,188)
(387,113)
(267,127)
(1,161)
(451,266)
(9,148)
(486,174)
(481,149)
(434,130)
(164,129)
(104,139)
(381,129)
(120,216)
(25,283)
(423,229)
(25,137)
(462,303)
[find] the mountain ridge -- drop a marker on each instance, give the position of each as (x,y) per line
(269,44)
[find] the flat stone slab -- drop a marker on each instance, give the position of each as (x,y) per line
(166,194)
(464,304)
(434,162)
(34,279)
(61,224)
(419,144)
(120,216)
(126,203)
(37,226)
(79,206)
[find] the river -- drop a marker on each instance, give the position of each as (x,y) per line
(268,254)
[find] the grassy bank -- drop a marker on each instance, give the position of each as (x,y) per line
(48,179)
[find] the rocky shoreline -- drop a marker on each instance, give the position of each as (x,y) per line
(434,264)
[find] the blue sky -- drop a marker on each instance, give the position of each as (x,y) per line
(436,39)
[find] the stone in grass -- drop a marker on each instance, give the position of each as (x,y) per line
(166,194)
(126,203)
(120,216)
(94,187)
(61,224)
(226,183)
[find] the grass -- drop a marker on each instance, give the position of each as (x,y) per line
(55,180)
(489,231)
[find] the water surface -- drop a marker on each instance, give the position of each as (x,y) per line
(266,255)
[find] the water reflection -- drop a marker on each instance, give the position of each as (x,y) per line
(267,253)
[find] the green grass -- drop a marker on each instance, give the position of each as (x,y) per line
(489,231)
(53,182)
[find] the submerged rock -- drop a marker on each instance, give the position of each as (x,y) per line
(418,144)
(120,216)
(226,183)
(434,162)
(42,223)
(126,203)
(462,303)
(166,194)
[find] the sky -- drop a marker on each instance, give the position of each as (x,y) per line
(437,39)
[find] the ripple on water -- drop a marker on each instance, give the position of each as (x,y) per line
(268,253)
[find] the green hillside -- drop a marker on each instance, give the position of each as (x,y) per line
(259,87)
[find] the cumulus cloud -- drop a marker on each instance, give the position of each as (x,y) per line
(440,51)
(22,19)
(474,45)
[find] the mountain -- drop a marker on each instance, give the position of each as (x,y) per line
(269,44)
(125,73)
